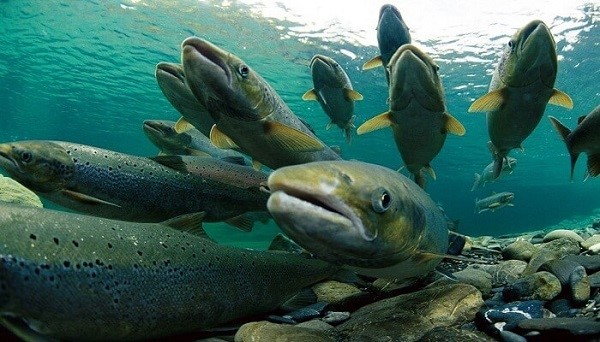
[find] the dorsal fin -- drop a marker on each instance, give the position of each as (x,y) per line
(190,223)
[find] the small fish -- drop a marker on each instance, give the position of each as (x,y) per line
(418,114)
(370,218)
(521,87)
(487,175)
(191,142)
(333,90)
(392,33)
(115,185)
(249,113)
(67,276)
(494,202)
(584,138)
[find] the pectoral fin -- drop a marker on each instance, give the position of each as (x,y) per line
(197,153)
(241,222)
(559,98)
(190,223)
(593,164)
(488,102)
(310,95)
(220,139)
(373,63)
(382,120)
(172,162)
(256,165)
(453,125)
(352,95)
(289,138)
(87,199)
(182,125)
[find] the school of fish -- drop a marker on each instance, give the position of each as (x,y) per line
(134,262)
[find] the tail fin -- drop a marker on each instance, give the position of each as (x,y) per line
(564,132)
(477,182)
(498,161)
(420,179)
(593,164)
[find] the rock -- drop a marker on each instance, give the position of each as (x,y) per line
(478,278)
(316,324)
(561,268)
(334,292)
(562,233)
(541,285)
(267,332)
(12,191)
(519,250)
(562,307)
(580,286)
(509,336)
(505,272)
(555,249)
(591,263)
(410,316)
(301,315)
(336,317)
(508,316)
(593,240)
(565,329)
(594,279)
(453,334)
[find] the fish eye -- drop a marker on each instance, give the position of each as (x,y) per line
(381,200)
(244,70)
(511,44)
(26,157)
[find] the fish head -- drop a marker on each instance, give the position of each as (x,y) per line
(170,79)
(347,212)
(222,81)
(327,72)
(414,77)
(162,134)
(39,165)
(506,197)
(529,56)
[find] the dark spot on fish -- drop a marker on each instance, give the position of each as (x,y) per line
(154,262)
(182,248)
(134,165)
(45,266)
(32,237)
(109,244)
(21,264)
(93,274)
(36,271)
(106,156)
(110,267)
(85,264)
(135,266)
(209,264)
(139,253)
(87,163)
(99,263)
(204,250)
(193,255)
(78,266)
(55,241)
(110,168)
(74,160)
(26,278)
(107,287)
(75,243)
(119,167)
(51,278)
(167,262)
(66,263)
(116,301)
(165,246)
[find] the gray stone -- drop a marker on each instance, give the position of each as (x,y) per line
(560,327)
(591,263)
(555,249)
(593,240)
(594,279)
(12,191)
(410,316)
(519,250)
(453,334)
(336,317)
(541,286)
(561,268)
(478,278)
(505,272)
(562,233)
(334,292)
(580,286)
(316,324)
(264,331)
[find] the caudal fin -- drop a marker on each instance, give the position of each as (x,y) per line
(564,132)
(477,182)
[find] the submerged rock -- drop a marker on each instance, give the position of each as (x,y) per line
(267,332)
(453,334)
(334,292)
(12,191)
(565,329)
(508,316)
(562,233)
(555,249)
(505,272)
(591,263)
(519,250)
(541,285)
(580,286)
(476,277)
(410,316)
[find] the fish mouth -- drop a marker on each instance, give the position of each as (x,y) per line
(170,70)
(389,12)
(7,162)
(320,61)
(327,208)
(206,56)
(154,128)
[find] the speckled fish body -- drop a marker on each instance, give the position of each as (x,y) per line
(487,175)
(365,216)
(333,90)
(191,142)
(75,277)
(249,113)
(115,185)
(171,80)
(522,85)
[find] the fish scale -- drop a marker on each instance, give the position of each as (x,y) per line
(81,277)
